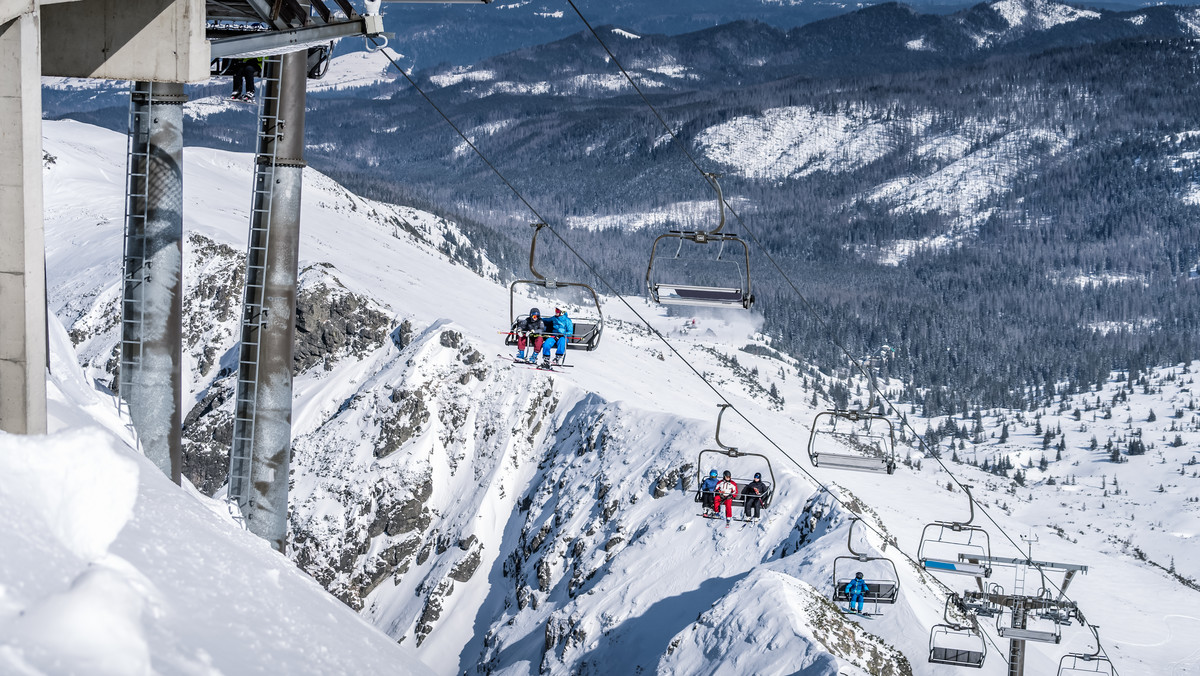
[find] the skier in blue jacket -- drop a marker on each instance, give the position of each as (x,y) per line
(561,329)
(708,489)
(855,590)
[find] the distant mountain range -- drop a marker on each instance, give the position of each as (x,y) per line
(1007,193)
(462,34)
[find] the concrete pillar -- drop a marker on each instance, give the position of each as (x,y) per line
(152,302)
(263,406)
(23,351)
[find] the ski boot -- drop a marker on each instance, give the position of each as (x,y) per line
(545,362)
(248,97)
(559,359)
(521,355)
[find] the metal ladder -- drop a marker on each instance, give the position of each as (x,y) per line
(254,314)
(134,264)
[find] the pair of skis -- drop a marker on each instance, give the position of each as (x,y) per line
(553,368)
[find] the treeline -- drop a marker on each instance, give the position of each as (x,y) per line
(1004,313)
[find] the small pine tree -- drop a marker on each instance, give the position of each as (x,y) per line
(1151,417)
(1004,433)
(1043,463)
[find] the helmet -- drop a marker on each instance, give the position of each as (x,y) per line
(758,475)
(713,473)
(858,575)
(557,311)
(727,474)
(534,312)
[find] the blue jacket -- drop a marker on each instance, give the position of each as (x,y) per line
(856,587)
(561,325)
(709,484)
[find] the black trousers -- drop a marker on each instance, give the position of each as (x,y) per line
(753,502)
(243,78)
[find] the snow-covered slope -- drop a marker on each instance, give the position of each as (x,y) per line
(109,568)
(499,519)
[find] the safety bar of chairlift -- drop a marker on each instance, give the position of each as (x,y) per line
(543,282)
(884,591)
(698,294)
(963,564)
(957,656)
(858,463)
(1095,658)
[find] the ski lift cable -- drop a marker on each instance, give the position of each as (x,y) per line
(817,483)
(804,300)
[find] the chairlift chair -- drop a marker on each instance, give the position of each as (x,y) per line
(971,546)
(879,449)
(881,589)
(733,452)
(587,328)
(957,644)
(672,292)
(1086,664)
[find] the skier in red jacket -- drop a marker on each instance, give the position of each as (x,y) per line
(726,491)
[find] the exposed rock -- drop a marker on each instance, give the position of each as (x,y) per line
(402,335)
(332,323)
(465,568)
(401,423)
(433,610)
(668,481)
(613,542)
(543,575)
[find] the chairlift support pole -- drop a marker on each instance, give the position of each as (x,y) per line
(1021,605)
(262,434)
(150,381)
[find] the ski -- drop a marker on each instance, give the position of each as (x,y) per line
(521,362)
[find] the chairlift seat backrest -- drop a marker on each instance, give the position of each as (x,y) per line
(1037,636)
(878,591)
(956,657)
(684,294)
(859,463)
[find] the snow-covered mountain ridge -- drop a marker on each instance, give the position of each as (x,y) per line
(498,519)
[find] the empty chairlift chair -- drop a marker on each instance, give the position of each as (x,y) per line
(740,476)
(588,326)
(883,582)
(957,644)
(956,546)
(1086,664)
(870,435)
(723,281)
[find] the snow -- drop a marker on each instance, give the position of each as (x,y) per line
(626,34)
(111,569)
(692,214)
(1192,196)
(1040,14)
(797,141)
(1191,19)
(357,69)
(918,45)
(462,74)
(631,580)
(1137,19)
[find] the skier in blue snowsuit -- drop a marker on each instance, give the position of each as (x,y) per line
(561,329)
(707,489)
(855,591)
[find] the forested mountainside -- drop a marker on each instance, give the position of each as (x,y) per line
(1005,195)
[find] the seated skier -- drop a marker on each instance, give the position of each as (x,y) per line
(561,328)
(754,492)
(855,591)
(529,329)
(726,491)
(708,489)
